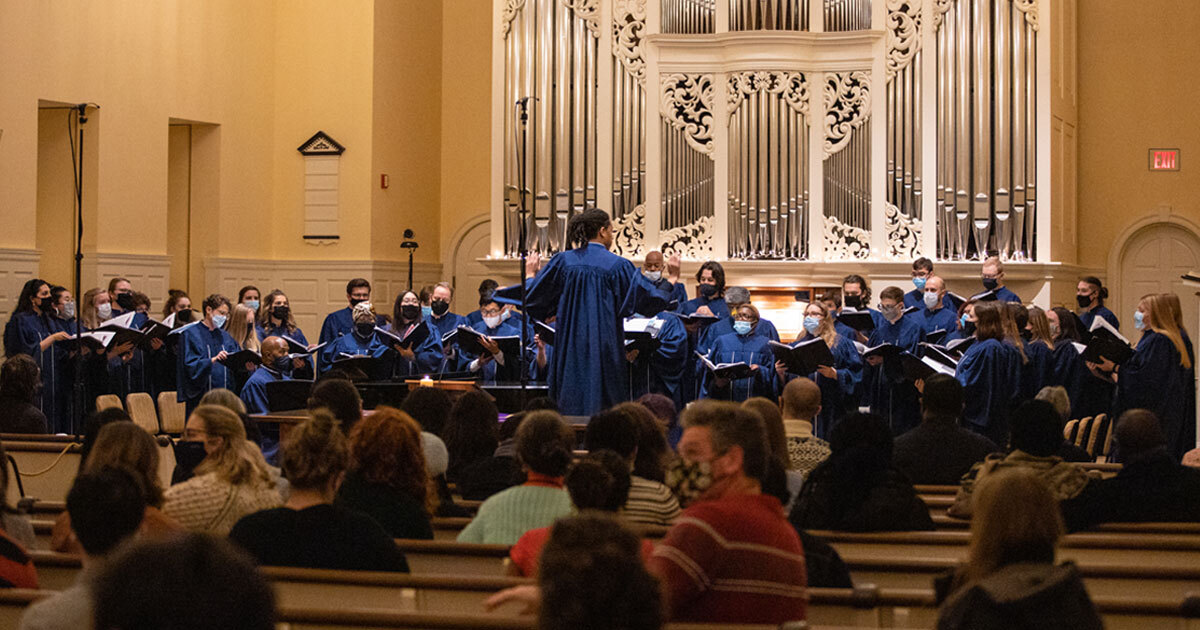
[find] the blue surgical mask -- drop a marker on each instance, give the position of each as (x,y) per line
(811,324)
(252,305)
(426,312)
(219,321)
(962,321)
(919,283)
(931,300)
(1139,322)
(742,328)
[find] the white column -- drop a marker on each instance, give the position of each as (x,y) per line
(720,135)
(878,154)
(604,111)
(653,127)
(929,131)
(498,108)
(816,16)
(816,169)
(721,22)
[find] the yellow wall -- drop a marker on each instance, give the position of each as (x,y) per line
(1137,90)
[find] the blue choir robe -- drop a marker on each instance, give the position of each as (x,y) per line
(677,290)
(294,334)
(352,344)
(197,372)
(341,322)
(661,371)
(932,321)
(474,317)
(1153,379)
(1038,370)
(139,320)
(1088,316)
(23,334)
(751,349)
(127,377)
(990,373)
(536,373)
(65,364)
(493,371)
(1187,430)
(916,298)
(718,329)
(448,323)
(1004,295)
(885,389)
(591,291)
(837,394)
(254,392)
(428,359)
(1067,370)
(717,305)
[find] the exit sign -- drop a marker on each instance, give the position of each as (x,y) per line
(1164,159)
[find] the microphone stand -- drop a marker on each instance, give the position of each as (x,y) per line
(522,245)
(77,390)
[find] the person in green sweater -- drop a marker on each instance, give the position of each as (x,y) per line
(544,445)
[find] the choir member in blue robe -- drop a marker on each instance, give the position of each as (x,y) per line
(990,373)
(341,322)
(1089,395)
(31,330)
(275,367)
(1038,348)
(711,294)
(885,389)
(591,291)
(654,269)
(1188,427)
(202,347)
(275,319)
(856,295)
(741,345)
(426,357)
(1153,377)
(832,301)
(494,365)
(735,297)
(1090,295)
(839,381)
(922,271)
(993,280)
(661,371)
(487,286)
(439,310)
(933,314)
(361,341)
(66,362)
(543,355)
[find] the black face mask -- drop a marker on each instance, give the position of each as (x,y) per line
(969,328)
(282,364)
(1084,301)
(853,301)
(281,313)
(707,291)
(188,455)
(364,329)
(439,307)
(1026,335)
(410,311)
(125,301)
(356,301)
(990,284)
(184,316)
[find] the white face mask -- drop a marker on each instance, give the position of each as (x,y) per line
(931,300)
(653,276)
(504,315)
(68,310)
(104,311)
(491,322)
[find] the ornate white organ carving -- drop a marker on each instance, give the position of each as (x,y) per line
(790,130)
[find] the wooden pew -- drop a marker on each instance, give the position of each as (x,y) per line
(48,466)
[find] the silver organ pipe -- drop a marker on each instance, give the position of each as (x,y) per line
(903,133)
(847,15)
(768,15)
(688,16)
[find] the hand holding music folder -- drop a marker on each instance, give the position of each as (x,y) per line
(920,369)
(95,341)
(413,339)
(862,321)
(237,361)
(696,318)
(1106,343)
(804,357)
(727,371)
(641,334)
(545,332)
(469,340)
(122,328)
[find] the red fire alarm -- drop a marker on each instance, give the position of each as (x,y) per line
(384,180)
(1164,159)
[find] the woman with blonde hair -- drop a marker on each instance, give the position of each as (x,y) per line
(1010,579)
(241,327)
(1154,377)
(125,446)
(387,478)
(837,381)
(232,480)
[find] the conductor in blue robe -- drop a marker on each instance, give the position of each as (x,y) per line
(885,389)
(426,357)
(341,322)
(990,373)
(743,346)
(837,382)
(933,314)
(362,341)
(654,269)
(202,347)
(591,291)
(661,371)
(1090,296)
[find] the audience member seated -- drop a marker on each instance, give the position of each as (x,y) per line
(310,531)
(730,557)
(653,453)
(232,480)
(229,400)
(340,397)
(939,451)
(598,481)
(484,477)
(800,403)
(126,447)
(591,578)
(387,478)
(1151,486)
(470,435)
(649,502)
(429,406)
(92,426)
(1057,395)
(1035,439)
(663,410)
(188,583)
(105,508)
(14,523)
(20,380)
(1010,579)
(544,447)
(857,489)
(777,440)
